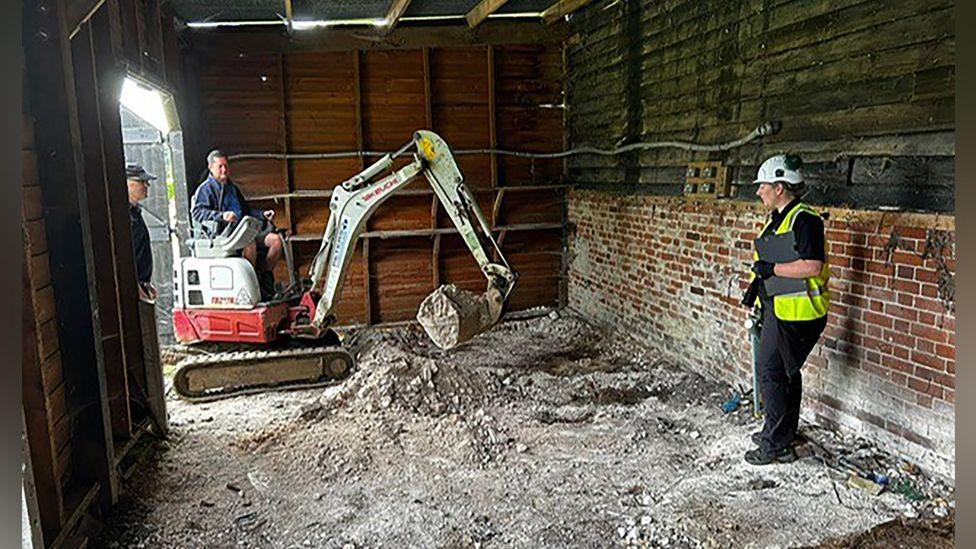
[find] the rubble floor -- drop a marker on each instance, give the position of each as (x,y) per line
(544,432)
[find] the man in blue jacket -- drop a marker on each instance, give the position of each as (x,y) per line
(218,199)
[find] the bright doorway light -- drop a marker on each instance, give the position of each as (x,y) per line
(146,103)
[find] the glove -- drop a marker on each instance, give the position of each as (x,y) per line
(749,298)
(763,269)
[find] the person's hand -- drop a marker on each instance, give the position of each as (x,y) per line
(147,293)
(153,294)
(763,269)
(269,214)
(229,217)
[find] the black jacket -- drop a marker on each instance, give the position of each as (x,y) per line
(141,247)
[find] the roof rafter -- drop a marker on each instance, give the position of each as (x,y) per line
(397,9)
(481,11)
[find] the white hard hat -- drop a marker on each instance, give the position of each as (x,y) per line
(782,168)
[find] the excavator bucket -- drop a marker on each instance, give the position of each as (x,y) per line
(451,316)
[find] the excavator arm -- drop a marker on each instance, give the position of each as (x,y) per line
(355,200)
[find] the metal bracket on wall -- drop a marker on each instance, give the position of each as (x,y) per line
(707,180)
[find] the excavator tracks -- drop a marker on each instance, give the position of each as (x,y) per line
(209,377)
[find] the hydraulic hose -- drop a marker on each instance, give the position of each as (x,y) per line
(767,128)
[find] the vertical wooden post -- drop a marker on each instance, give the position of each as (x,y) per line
(492,130)
(564,263)
(435,264)
(428,100)
(435,261)
(358,98)
(98,187)
(361,146)
(496,207)
(110,75)
(367,283)
(286,148)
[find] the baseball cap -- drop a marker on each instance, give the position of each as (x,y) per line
(136,171)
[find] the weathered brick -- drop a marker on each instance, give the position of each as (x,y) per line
(926,275)
(901,311)
(899,338)
(946,351)
(929,305)
(905,258)
(906,286)
(905,271)
(920,385)
(911,232)
(897,364)
(928,332)
(928,360)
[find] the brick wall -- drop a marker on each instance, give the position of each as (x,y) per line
(672,271)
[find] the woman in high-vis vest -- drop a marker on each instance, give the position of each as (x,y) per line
(794,305)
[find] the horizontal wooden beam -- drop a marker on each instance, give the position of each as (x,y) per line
(481,11)
(562,8)
(409,192)
(432,232)
(405,37)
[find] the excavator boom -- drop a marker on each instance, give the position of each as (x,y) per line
(355,200)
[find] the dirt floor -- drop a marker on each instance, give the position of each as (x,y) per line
(542,433)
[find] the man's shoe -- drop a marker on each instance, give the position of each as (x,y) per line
(761,457)
(756,439)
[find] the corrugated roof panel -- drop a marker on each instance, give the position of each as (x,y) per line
(331,10)
(228,10)
(456,7)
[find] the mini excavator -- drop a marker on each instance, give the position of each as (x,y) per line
(287,342)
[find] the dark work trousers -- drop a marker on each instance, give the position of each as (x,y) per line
(781,389)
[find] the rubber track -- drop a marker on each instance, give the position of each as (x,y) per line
(238,358)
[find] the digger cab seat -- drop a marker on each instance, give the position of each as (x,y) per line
(206,243)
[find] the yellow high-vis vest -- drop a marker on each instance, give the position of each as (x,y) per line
(805,305)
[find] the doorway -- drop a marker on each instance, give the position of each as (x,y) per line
(152,137)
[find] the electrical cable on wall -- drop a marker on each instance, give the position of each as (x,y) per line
(767,128)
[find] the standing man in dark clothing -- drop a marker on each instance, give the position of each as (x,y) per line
(793,298)
(137,181)
(218,199)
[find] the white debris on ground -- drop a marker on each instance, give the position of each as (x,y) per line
(544,432)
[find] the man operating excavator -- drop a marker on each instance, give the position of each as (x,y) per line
(219,200)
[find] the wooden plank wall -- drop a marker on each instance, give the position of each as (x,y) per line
(76,237)
(328,101)
(45,412)
(856,84)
